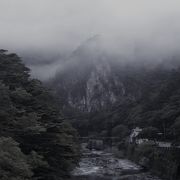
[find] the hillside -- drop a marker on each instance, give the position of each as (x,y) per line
(35,143)
(102,93)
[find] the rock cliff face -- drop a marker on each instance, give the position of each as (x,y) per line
(91,81)
(91,90)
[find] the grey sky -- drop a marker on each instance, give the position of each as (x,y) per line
(151,27)
(63,24)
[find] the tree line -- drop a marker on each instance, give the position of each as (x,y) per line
(35,142)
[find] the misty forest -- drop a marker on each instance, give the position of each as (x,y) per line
(89,90)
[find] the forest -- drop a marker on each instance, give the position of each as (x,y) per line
(89,90)
(40,131)
(118,100)
(35,142)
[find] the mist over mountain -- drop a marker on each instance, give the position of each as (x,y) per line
(101,73)
(45,64)
(101,92)
(50,31)
(92,79)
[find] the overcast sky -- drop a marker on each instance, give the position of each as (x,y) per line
(61,25)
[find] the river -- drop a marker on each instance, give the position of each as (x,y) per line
(102,165)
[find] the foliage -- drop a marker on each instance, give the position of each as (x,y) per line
(13,163)
(149,133)
(120,131)
(152,99)
(145,150)
(30,115)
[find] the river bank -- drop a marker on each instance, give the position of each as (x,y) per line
(161,161)
(103,165)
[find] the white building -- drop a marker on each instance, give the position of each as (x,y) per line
(134,134)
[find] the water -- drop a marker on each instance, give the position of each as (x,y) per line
(101,165)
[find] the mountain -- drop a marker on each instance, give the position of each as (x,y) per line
(101,91)
(92,80)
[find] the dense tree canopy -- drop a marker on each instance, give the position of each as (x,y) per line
(34,139)
(156,105)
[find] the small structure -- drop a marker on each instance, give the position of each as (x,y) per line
(140,141)
(134,134)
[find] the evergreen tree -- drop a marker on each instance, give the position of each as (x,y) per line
(30,115)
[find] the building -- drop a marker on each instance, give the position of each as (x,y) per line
(133,136)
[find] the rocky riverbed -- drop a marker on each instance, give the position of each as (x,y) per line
(102,165)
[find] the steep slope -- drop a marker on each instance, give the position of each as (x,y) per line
(35,142)
(92,80)
(102,92)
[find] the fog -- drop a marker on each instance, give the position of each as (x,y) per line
(149,28)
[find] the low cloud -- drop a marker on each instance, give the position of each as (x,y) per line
(141,28)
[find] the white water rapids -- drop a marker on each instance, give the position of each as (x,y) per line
(101,165)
